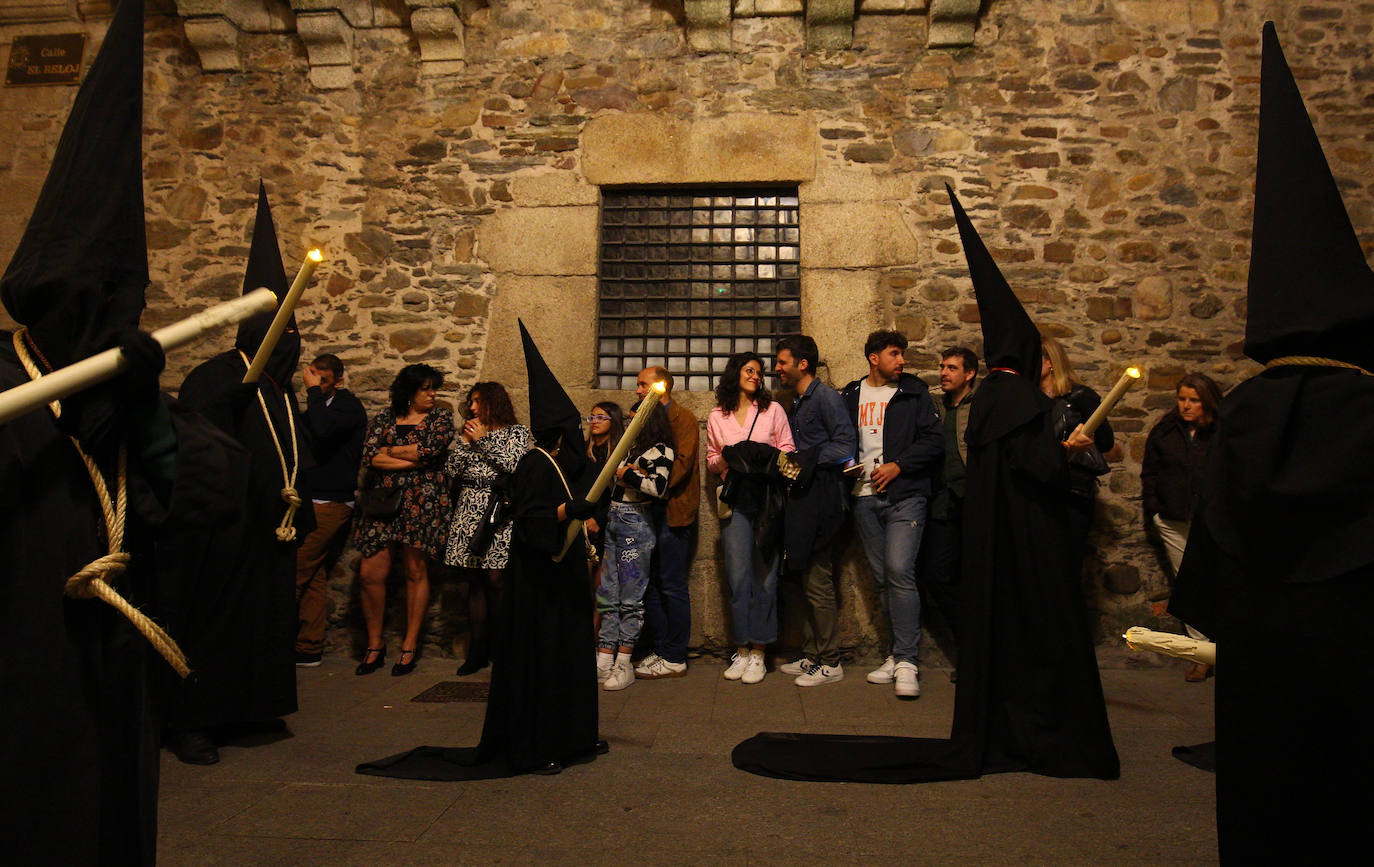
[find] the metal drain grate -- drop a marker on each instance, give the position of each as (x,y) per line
(451,690)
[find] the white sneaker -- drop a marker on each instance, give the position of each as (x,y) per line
(661,668)
(883,673)
(796,667)
(622,675)
(738,663)
(908,685)
(645,664)
(755,668)
(819,674)
(604,663)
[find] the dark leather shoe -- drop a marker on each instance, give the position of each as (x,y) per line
(602,748)
(400,667)
(366,667)
(193,748)
(471,665)
(548,770)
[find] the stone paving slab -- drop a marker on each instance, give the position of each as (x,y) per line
(667,793)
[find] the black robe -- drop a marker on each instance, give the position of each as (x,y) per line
(1279,571)
(543,703)
(79,758)
(1029,696)
(239,616)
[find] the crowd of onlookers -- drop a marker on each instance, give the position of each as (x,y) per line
(784,482)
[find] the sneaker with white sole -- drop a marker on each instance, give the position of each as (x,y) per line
(755,668)
(796,667)
(738,663)
(906,680)
(622,675)
(819,674)
(646,663)
(604,663)
(883,673)
(660,669)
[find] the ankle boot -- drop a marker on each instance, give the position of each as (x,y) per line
(477,659)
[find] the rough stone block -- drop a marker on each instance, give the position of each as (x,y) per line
(216,42)
(553,240)
(560,313)
(838,309)
(1154,298)
(855,235)
(737,148)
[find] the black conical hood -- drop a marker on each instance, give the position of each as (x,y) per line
(552,412)
(265,269)
(1311,292)
(79,273)
(1010,339)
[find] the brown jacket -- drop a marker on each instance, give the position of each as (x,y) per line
(684,484)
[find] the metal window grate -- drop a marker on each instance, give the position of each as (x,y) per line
(691,276)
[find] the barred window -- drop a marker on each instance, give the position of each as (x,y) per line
(690,276)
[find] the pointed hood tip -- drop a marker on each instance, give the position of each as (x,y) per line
(551,409)
(1311,290)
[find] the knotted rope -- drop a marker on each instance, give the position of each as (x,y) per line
(286,532)
(93,581)
(1313,361)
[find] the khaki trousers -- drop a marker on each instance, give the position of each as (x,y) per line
(317,553)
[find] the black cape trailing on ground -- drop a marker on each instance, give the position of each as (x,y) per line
(1279,568)
(1029,697)
(239,619)
(79,757)
(543,703)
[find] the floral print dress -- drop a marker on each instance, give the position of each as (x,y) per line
(422,520)
(474,468)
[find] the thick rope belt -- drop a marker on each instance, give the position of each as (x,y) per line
(1313,361)
(93,581)
(286,531)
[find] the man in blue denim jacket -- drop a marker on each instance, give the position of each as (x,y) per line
(901,446)
(815,512)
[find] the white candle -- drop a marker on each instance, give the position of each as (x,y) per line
(1118,391)
(104,365)
(1169,644)
(603,479)
(288,306)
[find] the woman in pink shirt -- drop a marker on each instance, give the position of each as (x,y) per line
(746,411)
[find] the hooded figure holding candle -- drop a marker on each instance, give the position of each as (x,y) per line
(1279,567)
(542,709)
(1029,697)
(239,621)
(80,684)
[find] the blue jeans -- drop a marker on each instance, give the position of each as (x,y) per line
(891,533)
(625,574)
(753,583)
(667,604)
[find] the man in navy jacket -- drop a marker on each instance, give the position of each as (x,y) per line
(901,449)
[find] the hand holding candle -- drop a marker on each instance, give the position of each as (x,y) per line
(1118,391)
(105,365)
(622,448)
(288,306)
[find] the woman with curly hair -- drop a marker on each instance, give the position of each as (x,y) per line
(481,459)
(405,448)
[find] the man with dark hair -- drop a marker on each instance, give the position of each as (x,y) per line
(938,564)
(815,510)
(667,604)
(337,423)
(900,450)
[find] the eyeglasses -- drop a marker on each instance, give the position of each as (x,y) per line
(595,418)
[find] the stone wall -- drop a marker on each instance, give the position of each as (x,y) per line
(1105,149)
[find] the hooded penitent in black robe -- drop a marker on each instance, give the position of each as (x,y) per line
(1029,697)
(1279,568)
(78,758)
(239,619)
(543,702)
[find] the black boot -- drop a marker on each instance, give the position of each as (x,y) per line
(194,747)
(477,659)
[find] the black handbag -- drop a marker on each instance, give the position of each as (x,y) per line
(497,514)
(377,503)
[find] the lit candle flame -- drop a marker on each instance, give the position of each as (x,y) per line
(1133,372)
(315,255)
(660,386)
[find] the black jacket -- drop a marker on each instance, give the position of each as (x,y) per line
(337,430)
(1171,472)
(912,435)
(1069,411)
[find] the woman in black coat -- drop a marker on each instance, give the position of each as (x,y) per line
(1171,472)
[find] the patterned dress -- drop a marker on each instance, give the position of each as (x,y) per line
(422,520)
(473,468)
